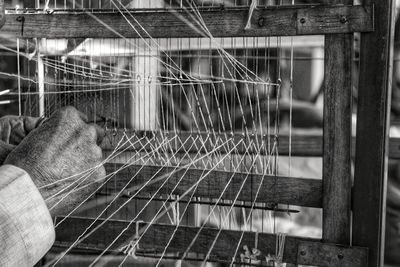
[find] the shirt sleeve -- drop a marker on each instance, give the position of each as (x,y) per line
(26,227)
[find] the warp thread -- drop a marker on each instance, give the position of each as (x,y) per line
(253,6)
(251,257)
(130,249)
(279,250)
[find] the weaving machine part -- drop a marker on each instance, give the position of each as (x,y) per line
(199,133)
(179,108)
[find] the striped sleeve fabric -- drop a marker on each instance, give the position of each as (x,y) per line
(26,227)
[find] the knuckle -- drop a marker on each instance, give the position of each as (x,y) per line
(101,171)
(99,174)
(70,115)
(71,109)
(68,110)
(92,133)
(97,152)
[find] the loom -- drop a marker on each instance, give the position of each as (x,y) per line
(199,102)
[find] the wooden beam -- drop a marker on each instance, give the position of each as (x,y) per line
(298,250)
(211,202)
(374,95)
(282,190)
(186,142)
(222,22)
(336,168)
(302,145)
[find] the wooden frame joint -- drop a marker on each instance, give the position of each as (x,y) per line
(320,254)
(337,19)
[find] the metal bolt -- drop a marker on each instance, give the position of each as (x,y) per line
(340,256)
(343,19)
(261,22)
(302,20)
(303,253)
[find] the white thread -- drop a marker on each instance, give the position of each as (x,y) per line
(133,245)
(280,247)
(183,195)
(251,10)
(19,80)
(4,92)
(256,241)
(231,207)
(83,236)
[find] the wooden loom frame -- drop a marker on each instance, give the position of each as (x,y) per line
(337,21)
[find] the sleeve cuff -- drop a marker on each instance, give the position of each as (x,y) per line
(26,227)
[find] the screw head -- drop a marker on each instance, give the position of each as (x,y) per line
(340,256)
(343,19)
(261,22)
(20,18)
(302,20)
(303,253)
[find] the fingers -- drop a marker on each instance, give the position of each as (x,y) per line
(95,133)
(31,123)
(78,122)
(100,133)
(73,117)
(83,117)
(69,115)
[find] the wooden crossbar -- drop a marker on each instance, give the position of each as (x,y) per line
(274,189)
(298,250)
(221,22)
(309,145)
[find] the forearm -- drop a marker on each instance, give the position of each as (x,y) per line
(26,227)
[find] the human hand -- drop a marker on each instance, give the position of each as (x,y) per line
(60,155)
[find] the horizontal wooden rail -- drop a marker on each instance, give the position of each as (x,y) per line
(211,202)
(301,145)
(221,22)
(185,142)
(298,250)
(274,189)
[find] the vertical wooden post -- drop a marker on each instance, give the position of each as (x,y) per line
(39,65)
(40,84)
(144,92)
(144,111)
(374,94)
(337,136)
